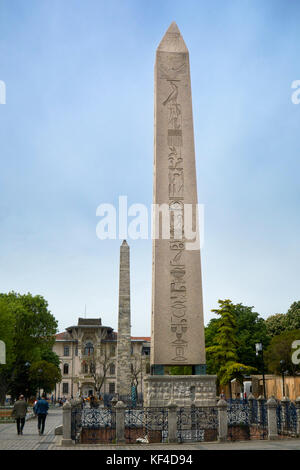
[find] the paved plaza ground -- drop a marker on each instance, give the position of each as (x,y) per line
(9,440)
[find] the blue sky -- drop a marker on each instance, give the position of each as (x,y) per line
(77,131)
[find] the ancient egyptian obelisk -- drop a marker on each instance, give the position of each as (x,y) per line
(124,327)
(177,335)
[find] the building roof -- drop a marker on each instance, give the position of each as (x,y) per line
(65,336)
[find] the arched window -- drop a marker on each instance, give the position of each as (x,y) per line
(112,369)
(89,349)
(66,369)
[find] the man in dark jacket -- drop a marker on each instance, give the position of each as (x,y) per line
(41,409)
(19,412)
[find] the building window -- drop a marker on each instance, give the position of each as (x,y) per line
(65,388)
(112,369)
(76,351)
(111,388)
(89,349)
(92,368)
(147,368)
(66,351)
(85,368)
(66,369)
(112,350)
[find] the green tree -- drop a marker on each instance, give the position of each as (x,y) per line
(276,324)
(44,375)
(224,352)
(30,334)
(250,328)
(293,316)
(7,323)
(280,349)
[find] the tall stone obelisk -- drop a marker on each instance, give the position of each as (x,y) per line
(177,336)
(124,326)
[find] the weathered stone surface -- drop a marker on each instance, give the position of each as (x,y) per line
(124,339)
(182,390)
(177,309)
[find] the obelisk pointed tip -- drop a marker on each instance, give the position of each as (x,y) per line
(125,243)
(172,40)
(173,28)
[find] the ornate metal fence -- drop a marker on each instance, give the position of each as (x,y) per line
(286,419)
(197,424)
(146,425)
(93,425)
(247,420)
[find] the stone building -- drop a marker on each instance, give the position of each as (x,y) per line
(88,358)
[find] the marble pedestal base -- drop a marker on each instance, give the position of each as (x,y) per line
(183,390)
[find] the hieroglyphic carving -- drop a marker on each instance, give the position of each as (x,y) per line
(174,67)
(178,289)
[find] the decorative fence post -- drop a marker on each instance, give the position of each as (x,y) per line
(272,419)
(67,423)
(120,422)
(172,423)
(222,420)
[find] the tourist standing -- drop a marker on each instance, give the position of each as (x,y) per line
(41,409)
(19,412)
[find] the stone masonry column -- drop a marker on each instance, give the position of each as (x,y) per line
(120,422)
(124,327)
(272,419)
(172,423)
(67,416)
(222,420)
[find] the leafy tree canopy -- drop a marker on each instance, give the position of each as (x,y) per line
(247,328)
(28,329)
(280,349)
(44,375)
(223,353)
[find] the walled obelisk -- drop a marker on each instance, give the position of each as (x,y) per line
(177,336)
(124,327)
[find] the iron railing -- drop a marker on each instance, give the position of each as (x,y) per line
(197,424)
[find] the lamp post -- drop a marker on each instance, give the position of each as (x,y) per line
(259,349)
(40,371)
(27,365)
(282,364)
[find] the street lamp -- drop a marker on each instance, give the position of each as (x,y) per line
(282,364)
(40,371)
(259,349)
(27,365)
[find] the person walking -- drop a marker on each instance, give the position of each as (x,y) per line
(41,409)
(19,413)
